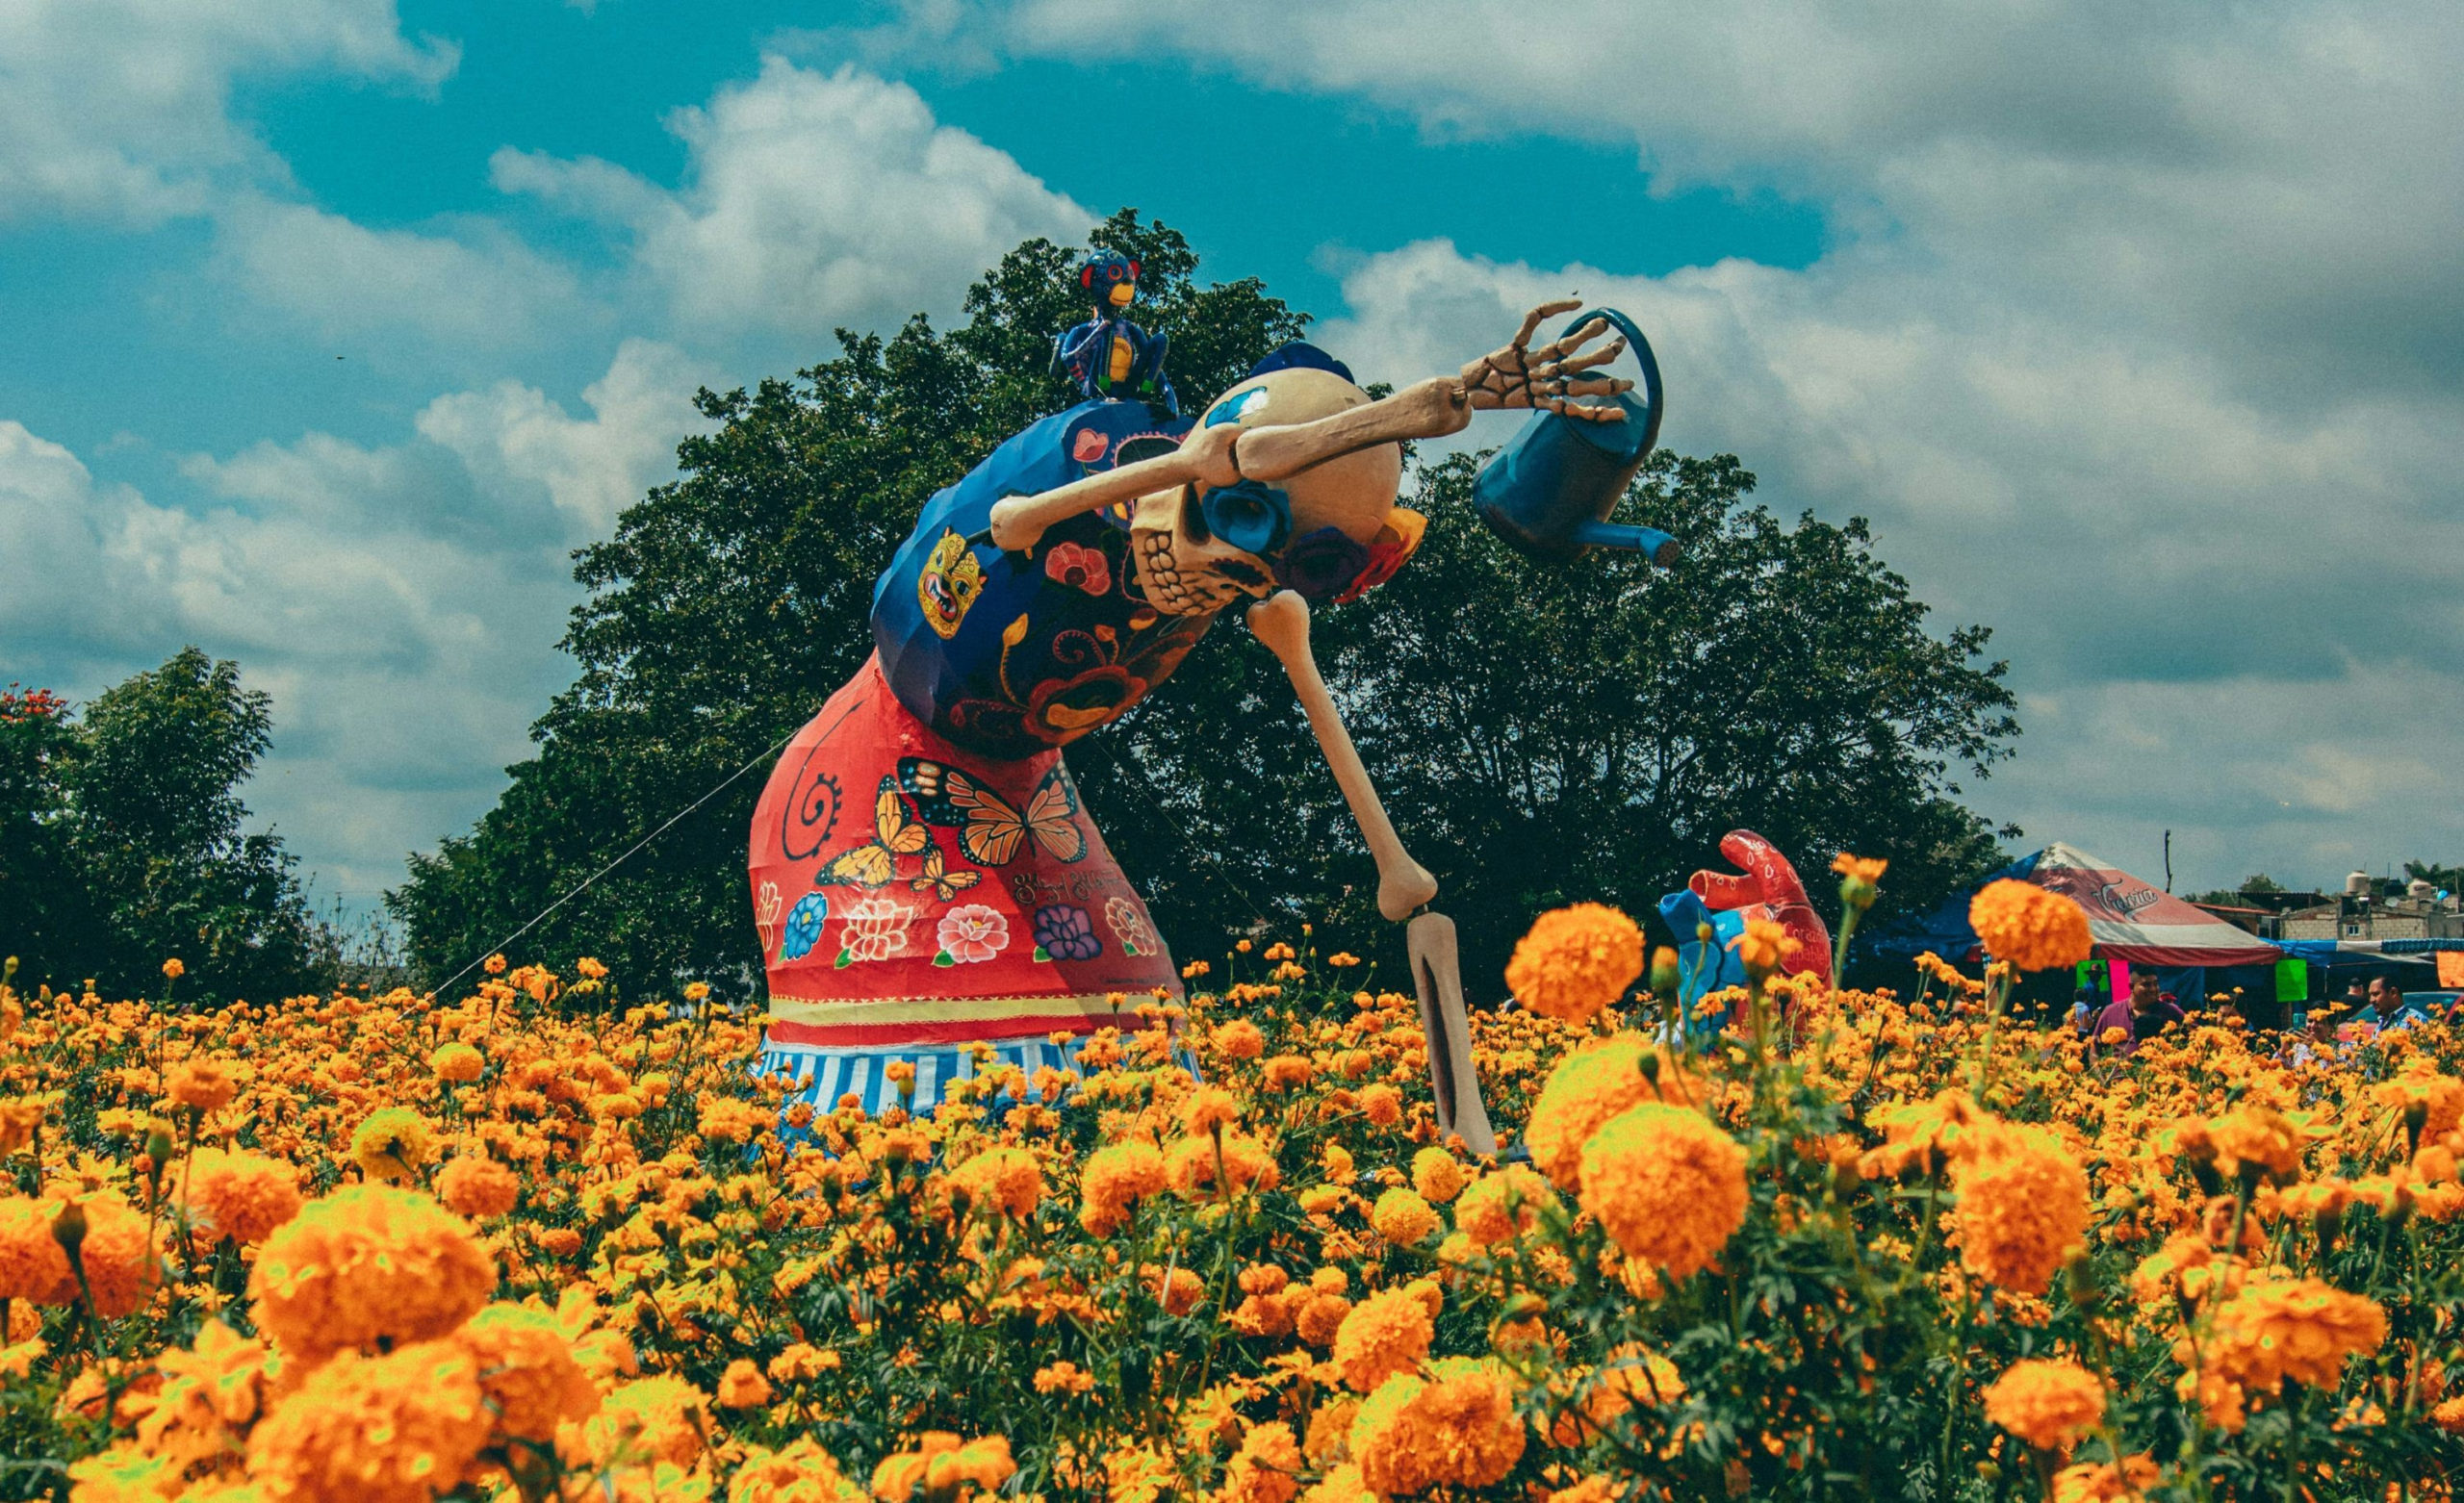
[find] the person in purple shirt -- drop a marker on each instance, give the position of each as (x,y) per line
(2142,1014)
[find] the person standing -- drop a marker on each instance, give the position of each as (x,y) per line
(2141,1015)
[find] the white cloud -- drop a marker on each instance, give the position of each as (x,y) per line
(2204,599)
(400,602)
(119,109)
(386,294)
(809,201)
(511,436)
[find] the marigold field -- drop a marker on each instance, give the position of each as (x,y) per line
(542,1242)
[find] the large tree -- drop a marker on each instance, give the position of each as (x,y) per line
(1543,733)
(123,839)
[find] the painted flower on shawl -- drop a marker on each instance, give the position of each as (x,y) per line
(875,930)
(972,933)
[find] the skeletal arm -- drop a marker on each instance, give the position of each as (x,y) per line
(1405,887)
(1282,623)
(1515,377)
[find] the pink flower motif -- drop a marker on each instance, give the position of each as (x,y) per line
(875,930)
(973,932)
(1077,565)
(1129,927)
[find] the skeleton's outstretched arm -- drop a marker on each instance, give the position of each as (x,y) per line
(1516,376)
(1405,887)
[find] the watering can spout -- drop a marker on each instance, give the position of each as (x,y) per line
(1548,492)
(1649,541)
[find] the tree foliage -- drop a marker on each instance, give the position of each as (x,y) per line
(1540,732)
(122,842)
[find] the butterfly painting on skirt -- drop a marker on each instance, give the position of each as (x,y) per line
(992,828)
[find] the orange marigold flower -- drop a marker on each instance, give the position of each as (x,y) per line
(118,1254)
(477,1187)
(1575,961)
(2299,1329)
(367,1263)
(33,1267)
(944,1467)
(1064,1378)
(1191,1168)
(742,1386)
(457,1061)
(2047,1404)
(1116,1177)
(2104,1482)
(1924,1135)
(1382,1104)
(1437,1175)
(1208,1108)
(391,1429)
(1667,1185)
(2034,928)
(800,1473)
(1384,1335)
(2259,1139)
(1502,1205)
(1592,1084)
(241,1195)
(664,1418)
(202,1084)
(393,1143)
(528,1371)
(1402,1217)
(1455,1426)
(1634,1377)
(1240,1039)
(174,969)
(1763,944)
(2022,1209)
(1266,1468)
(1004,1181)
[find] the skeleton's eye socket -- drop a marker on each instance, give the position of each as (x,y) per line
(1252,516)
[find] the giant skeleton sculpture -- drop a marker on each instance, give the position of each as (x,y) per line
(928,888)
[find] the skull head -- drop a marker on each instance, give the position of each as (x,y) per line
(1184,567)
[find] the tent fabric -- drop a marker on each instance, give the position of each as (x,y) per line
(2127,919)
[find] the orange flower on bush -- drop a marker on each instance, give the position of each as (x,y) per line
(2301,1329)
(199,1084)
(1001,1182)
(1455,1426)
(1575,960)
(367,1263)
(457,1062)
(2104,1482)
(1502,1205)
(1437,1175)
(1115,1179)
(1265,1468)
(392,1429)
(742,1386)
(1593,1084)
(2047,1404)
(2028,926)
(1384,1335)
(2022,1209)
(528,1371)
(240,1195)
(477,1187)
(1402,1217)
(116,1251)
(32,1265)
(801,1472)
(393,1143)
(944,1467)
(1667,1185)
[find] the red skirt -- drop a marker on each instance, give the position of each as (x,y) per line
(908,892)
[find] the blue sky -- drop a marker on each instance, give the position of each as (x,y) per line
(334,325)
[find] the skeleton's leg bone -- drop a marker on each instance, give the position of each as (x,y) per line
(1438,978)
(1404,885)
(1282,623)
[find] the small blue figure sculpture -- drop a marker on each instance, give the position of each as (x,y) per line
(1108,357)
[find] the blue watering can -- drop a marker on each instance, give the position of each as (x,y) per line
(1550,491)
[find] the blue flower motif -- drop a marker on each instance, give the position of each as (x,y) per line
(804,924)
(1065,932)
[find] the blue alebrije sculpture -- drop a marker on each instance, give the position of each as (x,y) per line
(1108,357)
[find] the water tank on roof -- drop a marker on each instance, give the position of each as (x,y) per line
(2357,885)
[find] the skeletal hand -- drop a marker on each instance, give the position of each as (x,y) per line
(1521,376)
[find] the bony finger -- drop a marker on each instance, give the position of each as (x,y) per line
(1594,386)
(1589,358)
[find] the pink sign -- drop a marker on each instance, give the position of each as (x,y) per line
(2121,979)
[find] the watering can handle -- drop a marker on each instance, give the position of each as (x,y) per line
(1656,546)
(1642,349)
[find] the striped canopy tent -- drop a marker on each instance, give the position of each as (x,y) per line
(2127,919)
